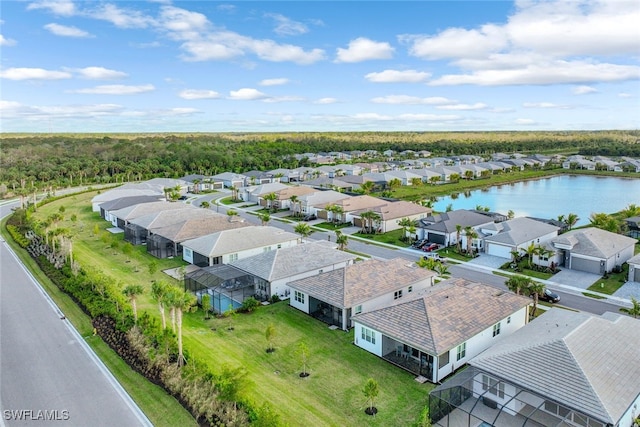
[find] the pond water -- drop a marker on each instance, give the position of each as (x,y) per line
(551,197)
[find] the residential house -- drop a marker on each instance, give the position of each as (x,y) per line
(390,213)
(634,268)
(273,270)
(442,228)
(137,229)
(285,175)
(283,197)
(230,179)
(256,193)
(113,205)
(592,250)
(436,331)
(126,190)
(225,246)
(120,218)
(315,203)
(227,286)
(503,238)
(332,183)
(353,206)
(255,177)
(633,226)
(169,183)
(199,182)
(334,296)
(565,368)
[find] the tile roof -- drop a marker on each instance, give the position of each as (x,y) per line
(359,202)
(239,239)
(362,281)
(446,222)
(396,210)
(444,316)
(125,202)
(289,262)
(594,242)
(191,228)
(596,362)
(286,193)
(140,210)
(521,230)
(169,217)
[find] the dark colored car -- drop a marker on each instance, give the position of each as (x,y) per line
(309,217)
(549,296)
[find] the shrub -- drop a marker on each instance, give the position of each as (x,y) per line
(250,304)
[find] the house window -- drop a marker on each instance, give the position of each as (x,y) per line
(493,386)
(279,245)
(233,257)
(461,351)
(496,329)
(299,297)
(397,294)
(410,289)
(266,249)
(358,309)
(368,335)
(188,252)
(508,320)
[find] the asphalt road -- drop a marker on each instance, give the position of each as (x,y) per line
(48,374)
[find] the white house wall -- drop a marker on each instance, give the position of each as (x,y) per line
(281,287)
(632,412)
(226,258)
(366,345)
(187,255)
(482,341)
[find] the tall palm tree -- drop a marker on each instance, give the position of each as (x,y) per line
(517,283)
(531,251)
(634,310)
(341,240)
(181,302)
(405,223)
(458,233)
(132,292)
(264,218)
(304,230)
(270,198)
(337,213)
(572,219)
(159,293)
(294,204)
(535,289)
(367,187)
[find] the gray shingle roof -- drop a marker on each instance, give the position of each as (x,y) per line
(190,228)
(240,239)
(362,281)
(125,202)
(446,222)
(140,210)
(169,217)
(594,242)
(288,262)
(445,315)
(521,230)
(595,361)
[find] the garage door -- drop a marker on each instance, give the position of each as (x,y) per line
(636,274)
(498,250)
(588,265)
(436,238)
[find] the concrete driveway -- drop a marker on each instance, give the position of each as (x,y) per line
(490,261)
(577,279)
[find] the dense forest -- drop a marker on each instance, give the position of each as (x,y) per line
(40,161)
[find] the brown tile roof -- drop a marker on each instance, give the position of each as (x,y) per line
(286,193)
(362,281)
(399,209)
(197,227)
(356,203)
(445,315)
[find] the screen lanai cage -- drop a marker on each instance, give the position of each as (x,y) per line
(228,286)
(474,398)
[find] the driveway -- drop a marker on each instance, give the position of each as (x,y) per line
(628,290)
(577,279)
(490,261)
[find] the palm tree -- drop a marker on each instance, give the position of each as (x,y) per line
(535,289)
(441,268)
(132,292)
(634,310)
(231,213)
(531,251)
(294,204)
(470,234)
(458,240)
(264,218)
(572,219)
(159,293)
(394,184)
(182,301)
(270,198)
(337,213)
(434,179)
(304,230)
(371,391)
(341,240)
(404,223)
(367,187)
(517,283)
(510,214)
(234,193)
(416,181)
(205,205)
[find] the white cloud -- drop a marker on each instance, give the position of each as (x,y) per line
(274,82)
(121,18)
(363,49)
(286,26)
(11,109)
(275,99)
(543,74)
(33,74)
(229,8)
(181,24)
(545,105)
(57,7)
(325,101)
(583,90)
(198,94)
(247,94)
(457,43)
(524,121)
(462,107)
(116,90)
(66,31)
(100,73)
(624,95)
(411,100)
(180,111)
(395,76)
(6,42)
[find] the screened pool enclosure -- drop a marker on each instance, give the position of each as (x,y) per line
(228,286)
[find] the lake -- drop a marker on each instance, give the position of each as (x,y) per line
(551,197)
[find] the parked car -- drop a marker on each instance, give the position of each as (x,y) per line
(419,244)
(430,247)
(309,217)
(434,255)
(549,296)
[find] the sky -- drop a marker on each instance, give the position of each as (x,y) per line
(296,66)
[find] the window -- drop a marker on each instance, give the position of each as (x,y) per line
(368,335)
(493,386)
(461,351)
(410,289)
(496,329)
(358,309)
(397,294)
(508,320)
(299,297)
(188,252)
(266,249)
(279,245)
(233,257)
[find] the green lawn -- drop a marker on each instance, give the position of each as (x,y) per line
(390,237)
(611,283)
(331,396)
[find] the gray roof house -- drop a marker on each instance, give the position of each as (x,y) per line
(634,268)
(592,250)
(334,296)
(436,331)
(273,270)
(230,179)
(441,228)
(564,368)
(124,202)
(137,229)
(121,217)
(500,239)
(225,246)
(127,190)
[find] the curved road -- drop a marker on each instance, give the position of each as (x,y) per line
(48,374)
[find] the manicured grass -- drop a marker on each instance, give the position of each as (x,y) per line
(331,396)
(333,226)
(594,296)
(611,283)
(390,237)
(161,408)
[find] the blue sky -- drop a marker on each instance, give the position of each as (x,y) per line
(277,66)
